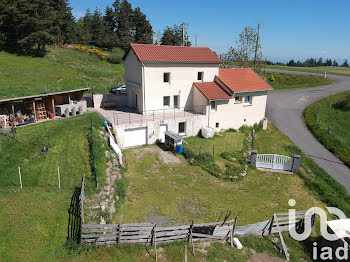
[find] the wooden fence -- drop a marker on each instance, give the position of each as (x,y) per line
(112,234)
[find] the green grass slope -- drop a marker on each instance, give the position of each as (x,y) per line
(34,220)
(289,81)
(329,121)
(331,70)
(60,69)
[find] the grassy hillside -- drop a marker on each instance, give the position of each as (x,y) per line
(332,70)
(281,81)
(34,220)
(60,69)
(329,121)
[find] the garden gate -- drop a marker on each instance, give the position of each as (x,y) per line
(274,161)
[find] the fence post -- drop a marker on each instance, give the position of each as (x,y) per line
(59,178)
(20,176)
(296,163)
(253,157)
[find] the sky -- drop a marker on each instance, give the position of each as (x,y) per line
(289,28)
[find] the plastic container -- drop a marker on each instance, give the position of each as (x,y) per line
(179,149)
(207,132)
(52,116)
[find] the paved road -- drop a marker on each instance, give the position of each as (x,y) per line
(285,108)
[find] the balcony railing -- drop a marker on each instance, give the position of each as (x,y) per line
(129,117)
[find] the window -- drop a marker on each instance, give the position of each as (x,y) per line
(182,127)
(166,77)
(212,105)
(166,100)
(217,125)
(238,99)
(176,101)
(200,76)
(247,100)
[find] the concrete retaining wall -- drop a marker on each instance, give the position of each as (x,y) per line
(120,99)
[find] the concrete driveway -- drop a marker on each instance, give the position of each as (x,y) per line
(285,108)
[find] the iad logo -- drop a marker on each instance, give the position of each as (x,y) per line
(308,215)
(326,253)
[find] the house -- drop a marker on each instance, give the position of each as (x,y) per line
(182,89)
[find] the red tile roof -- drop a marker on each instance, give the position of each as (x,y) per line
(242,80)
(211,90)
(165,53)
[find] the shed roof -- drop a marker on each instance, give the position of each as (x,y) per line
(42,95)
(174,54)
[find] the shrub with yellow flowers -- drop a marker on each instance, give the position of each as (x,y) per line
(272,78)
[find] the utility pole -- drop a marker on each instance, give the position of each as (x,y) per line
(257,45)
(183,33)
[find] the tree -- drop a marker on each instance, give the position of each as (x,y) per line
(143,32)
(26,23)
(320,62)
(64,30)
(173,36)
(335,63)
(125,24)
(244,51)
(291,63)
(345,64)
(328,62)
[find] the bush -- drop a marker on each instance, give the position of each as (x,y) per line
(244,129)
(211,168)
(238,156)
(97,53)
(204,158)
(188,153)
(231,130)
(114,59)
(80,48)
(232,171)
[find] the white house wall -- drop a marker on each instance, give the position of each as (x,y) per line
(193,125)
(133,81)
(182,77)
(230,114)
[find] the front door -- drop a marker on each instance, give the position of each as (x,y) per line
(176,101)
(162,129)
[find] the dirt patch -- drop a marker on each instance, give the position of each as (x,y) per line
(165,156)
(263,257)
(157,219)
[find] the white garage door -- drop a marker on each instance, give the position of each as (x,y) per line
(135,137)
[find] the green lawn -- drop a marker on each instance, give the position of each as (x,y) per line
(288,81)
(332,70)
(180,192)
(329,121)
(60,69)
(34,220)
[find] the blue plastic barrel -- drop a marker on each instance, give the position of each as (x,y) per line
(105,124)
(179,149)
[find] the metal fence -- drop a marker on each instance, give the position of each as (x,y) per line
(126,116)
(274,161)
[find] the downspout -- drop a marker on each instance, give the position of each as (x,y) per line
(143,87)
(208,108)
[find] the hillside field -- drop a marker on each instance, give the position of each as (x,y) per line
(329,121)
(59,70)
(331,70)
